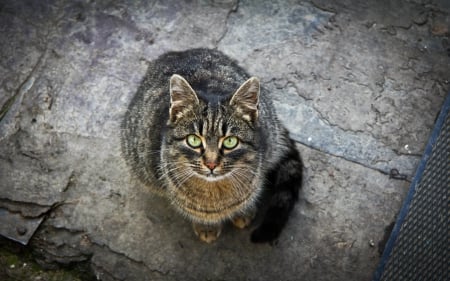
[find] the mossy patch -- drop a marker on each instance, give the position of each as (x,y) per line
(17,263)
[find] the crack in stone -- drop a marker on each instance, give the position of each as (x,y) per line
(7,200)
(355,146)
(407,179)
(233,10)
(136,262)
(7,114)
(309,102)
(70,181)
(319,7)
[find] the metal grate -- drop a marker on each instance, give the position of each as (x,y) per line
(420,249)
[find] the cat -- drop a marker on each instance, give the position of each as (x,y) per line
(205,134)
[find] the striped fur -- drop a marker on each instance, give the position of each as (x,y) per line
(212,98)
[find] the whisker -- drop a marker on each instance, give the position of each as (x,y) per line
(242,179)
(179,173)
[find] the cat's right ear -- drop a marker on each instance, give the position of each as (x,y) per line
(182,98)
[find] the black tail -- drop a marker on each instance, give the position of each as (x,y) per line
(285,182)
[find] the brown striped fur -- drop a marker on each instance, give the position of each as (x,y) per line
(203,93)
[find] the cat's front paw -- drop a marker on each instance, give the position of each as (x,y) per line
(244,220)
(207,233)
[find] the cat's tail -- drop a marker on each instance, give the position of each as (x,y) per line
(285,181)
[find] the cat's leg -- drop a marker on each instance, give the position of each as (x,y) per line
(285,181)
(244,220)
(207,233)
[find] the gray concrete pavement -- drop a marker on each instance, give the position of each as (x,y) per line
(358,83)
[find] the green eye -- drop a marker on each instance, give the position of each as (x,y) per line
(230,142)
(194,141)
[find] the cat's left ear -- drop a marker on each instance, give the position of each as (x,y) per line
(182,97)
(246,100)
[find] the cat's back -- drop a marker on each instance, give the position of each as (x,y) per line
(213,76)
(210,73)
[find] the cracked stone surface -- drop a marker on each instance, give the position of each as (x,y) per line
(358,84)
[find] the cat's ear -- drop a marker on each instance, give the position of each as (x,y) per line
(182,97)
(246,100)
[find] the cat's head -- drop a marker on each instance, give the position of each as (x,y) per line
(212,140)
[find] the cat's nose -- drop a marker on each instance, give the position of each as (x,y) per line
(211,164)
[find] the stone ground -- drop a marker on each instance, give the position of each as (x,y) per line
(358,83)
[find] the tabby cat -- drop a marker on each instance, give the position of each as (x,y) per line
(205,134)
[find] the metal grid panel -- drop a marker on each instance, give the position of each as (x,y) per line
(421,251)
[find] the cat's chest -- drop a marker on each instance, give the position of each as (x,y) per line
(214,200)
(225,187)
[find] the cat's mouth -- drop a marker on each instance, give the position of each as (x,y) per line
(213,175)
